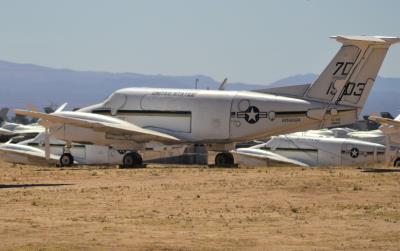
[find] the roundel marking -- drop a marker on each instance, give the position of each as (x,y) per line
(354,152)
(252,115)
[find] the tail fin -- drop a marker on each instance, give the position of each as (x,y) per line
(61,108)
(349,77)
(3,114)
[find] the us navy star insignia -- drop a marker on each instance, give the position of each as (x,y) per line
(354,152)
(252,115)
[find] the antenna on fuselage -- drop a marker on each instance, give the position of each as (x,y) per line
(222,85)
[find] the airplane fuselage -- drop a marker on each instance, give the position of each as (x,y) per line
(209,116)
(314,151)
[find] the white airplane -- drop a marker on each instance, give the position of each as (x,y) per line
(23,154)
(132,117)
(9,130)
(311,151)
(391,130)
(32,151)
(321,147)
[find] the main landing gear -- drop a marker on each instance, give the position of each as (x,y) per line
(224,159)
(132,160)
(66,159)
(396,163)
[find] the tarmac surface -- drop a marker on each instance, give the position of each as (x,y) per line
(198,208)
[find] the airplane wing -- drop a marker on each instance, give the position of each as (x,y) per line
(29,131)
(264,154)
(36,156)
(102,123)
(386,121)
(6,132)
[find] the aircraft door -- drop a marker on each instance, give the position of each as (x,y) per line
(79,152)
(329,153)
(96,154)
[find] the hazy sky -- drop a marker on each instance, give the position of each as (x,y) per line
(249,41)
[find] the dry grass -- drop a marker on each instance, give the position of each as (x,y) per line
(164,208)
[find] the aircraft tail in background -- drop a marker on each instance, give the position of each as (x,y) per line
(3,114)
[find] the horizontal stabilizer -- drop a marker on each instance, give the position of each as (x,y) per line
(369,39)
(289,91)
(5,132)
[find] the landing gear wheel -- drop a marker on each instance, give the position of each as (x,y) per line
(66,159)
(224,159)
(396,163)
(132,160)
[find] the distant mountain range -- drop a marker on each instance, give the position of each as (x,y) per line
(23,84)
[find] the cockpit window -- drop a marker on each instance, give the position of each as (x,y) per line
(115,101)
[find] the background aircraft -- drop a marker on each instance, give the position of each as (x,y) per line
(312,151)
(32,151)
(23,154)
(328,147)
(132,117)
(391,129)
(19,132)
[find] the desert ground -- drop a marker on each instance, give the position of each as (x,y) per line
(199,208)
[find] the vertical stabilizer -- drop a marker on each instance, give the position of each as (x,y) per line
(3,115)
(349,77)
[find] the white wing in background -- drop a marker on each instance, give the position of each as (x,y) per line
(22,154)
(265,154)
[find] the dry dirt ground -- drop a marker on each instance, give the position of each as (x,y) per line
(186,208)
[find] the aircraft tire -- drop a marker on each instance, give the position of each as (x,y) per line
(132,160)
(224,159)
(66,160)
(396,163)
